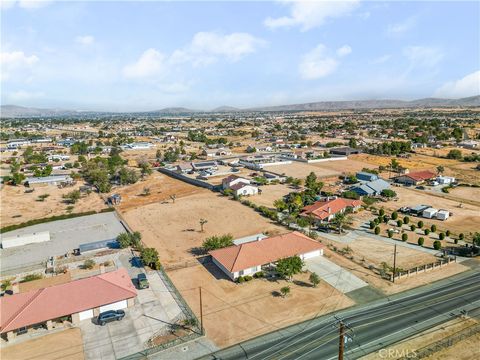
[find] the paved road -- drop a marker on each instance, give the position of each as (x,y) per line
(375,325)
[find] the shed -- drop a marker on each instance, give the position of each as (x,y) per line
(20,240)
(443,214)
(365,176)
(429,213)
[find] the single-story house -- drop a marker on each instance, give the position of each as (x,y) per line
(365,176)
(325,210)
(231,180)
(49,180)
(216,152)
(76,300)
(184,168)
(445,180)
(142,145)
(371,188)
(204,165)
(345,151)
(249,257)
(243,189)
(415,178)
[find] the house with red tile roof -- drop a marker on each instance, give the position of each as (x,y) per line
(415,178)
(249,257)
(76,300)
(325,210)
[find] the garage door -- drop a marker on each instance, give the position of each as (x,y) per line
(115,306)
(311,254)
(87,314)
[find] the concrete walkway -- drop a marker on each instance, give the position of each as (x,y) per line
(333,274)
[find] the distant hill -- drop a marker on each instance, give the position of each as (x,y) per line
(20,111)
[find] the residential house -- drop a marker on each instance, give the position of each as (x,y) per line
(345,151)
(49,180)
(17,143)
(415,178)
(204,166)
(445,180)
(76,300)
(212,153)
(325,210)
(240,186)
(371,188)
(184,168)
(366,176)
(247,258)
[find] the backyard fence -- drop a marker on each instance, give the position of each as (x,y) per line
(423,268)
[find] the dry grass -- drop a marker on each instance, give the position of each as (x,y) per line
(270,193)
(301,170)
(237,312)
(14,201)
(63,345)
(174,229)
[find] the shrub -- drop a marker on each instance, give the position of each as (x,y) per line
(426,231)
(31,277)
(394,215)
(385,219)
(420,241)
(247,277)
(381,212)
(240,279)
(259,274)
(149,257)
(217,242)
(448,233)
(404,237)
(390,233)
(433,228)
(88,264)
(455,241)
(420,224)
(437,245)
(285,291)
(314,279)
(406,220)
(372,225)
(441,236)
(399,223)
(377,230)
(388,193)
(413,227)
(461,236)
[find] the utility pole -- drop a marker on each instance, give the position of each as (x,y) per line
(394,261)
(341,340)
(201,312)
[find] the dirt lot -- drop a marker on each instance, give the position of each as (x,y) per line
(463,350)
(465,219)
(349,166)
(236,312)
(63,345)
(174,229)
(301,170)
(161,187)
(377,251)
(270,193)
(14,201)
(464,192)
(400,285)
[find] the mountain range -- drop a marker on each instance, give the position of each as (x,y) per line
(13,111)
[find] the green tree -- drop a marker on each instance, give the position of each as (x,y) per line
(285,291)
(437,245)
(314,279)
(150,257)
(394,215)
(454,154)
(145,168)
(290,266)
(123,240)
(377,230)
(426,231)
(433,228)
(280,205)
(217,242)
(441,236)
(341,220)
(73,196)
(421,240)
(404,237)
(406,220)
(420,224)
(390,233)
(399,223)
(440,169)
(372,225)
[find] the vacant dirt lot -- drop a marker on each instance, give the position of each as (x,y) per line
(236,312)
(270,193)
(301,170)
(464,192)
(161,188)
(174,228)
(377,251)
(14,202)
(63,345)
(465,219)
(349,166)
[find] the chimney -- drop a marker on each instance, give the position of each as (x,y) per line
(329,210)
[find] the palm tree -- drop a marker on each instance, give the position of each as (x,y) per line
(202,222)
(340,220)
(440,169)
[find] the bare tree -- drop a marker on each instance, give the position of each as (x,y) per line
(202,223)
(173,197)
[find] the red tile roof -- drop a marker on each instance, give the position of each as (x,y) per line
(322,209)
(247,255)
(421,175)
(38,306)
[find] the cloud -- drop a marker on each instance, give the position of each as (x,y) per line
(85,39)
(317,64)
(402,27)
(150,63)
(381,59)
(24,4)
(207,47)
(311,14)
(423,56)
(466,86)
(344,50)
(15,61)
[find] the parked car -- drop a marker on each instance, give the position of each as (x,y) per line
(109,316)
(421,187)
(142,281)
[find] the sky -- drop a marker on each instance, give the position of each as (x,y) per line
(147,55)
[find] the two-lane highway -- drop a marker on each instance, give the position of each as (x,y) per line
(374,326)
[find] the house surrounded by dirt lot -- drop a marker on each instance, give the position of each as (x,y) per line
(325,210)
(415,178)
(250,257)
(73,301)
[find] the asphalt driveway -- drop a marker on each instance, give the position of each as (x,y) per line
(333,274)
